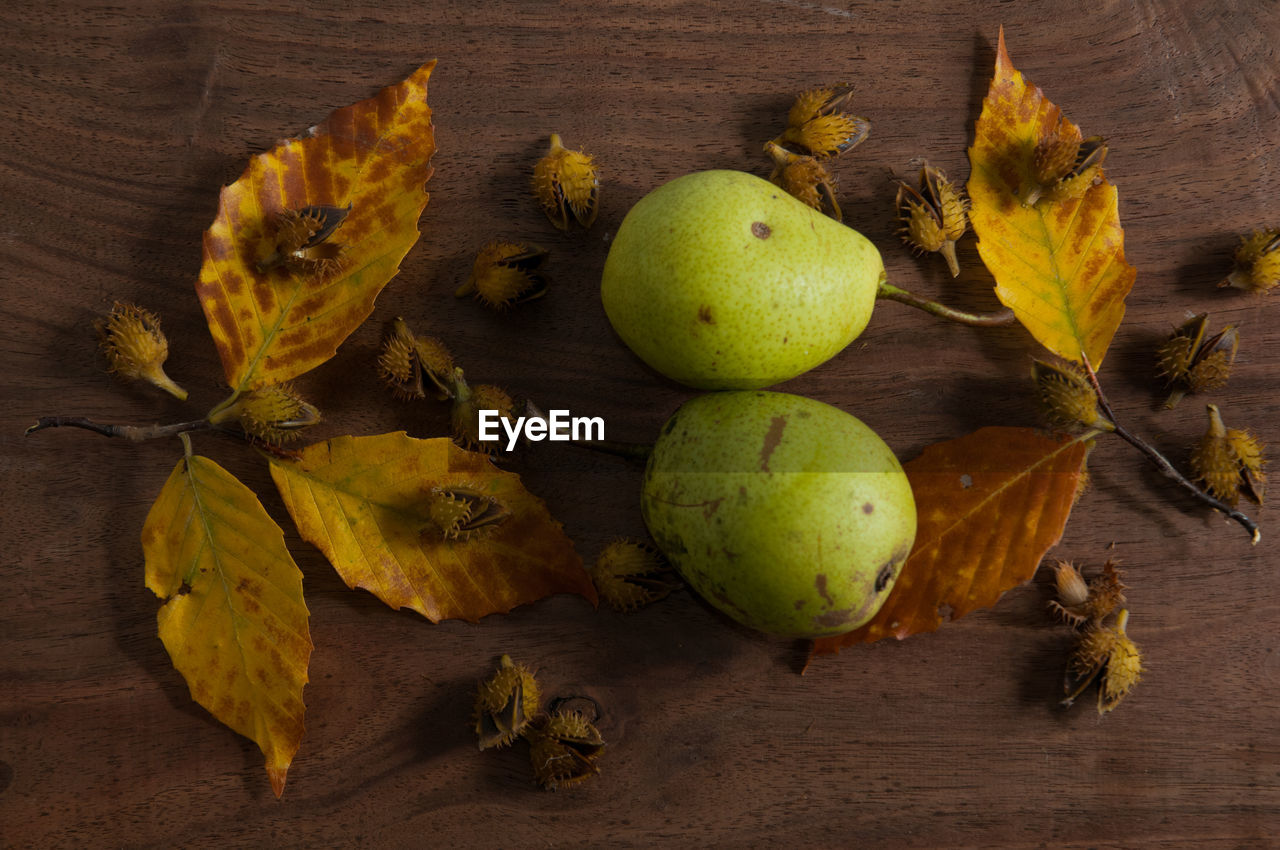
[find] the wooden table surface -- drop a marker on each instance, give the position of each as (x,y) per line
(120,123)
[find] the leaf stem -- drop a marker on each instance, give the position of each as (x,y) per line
(1162,463)
(981,320)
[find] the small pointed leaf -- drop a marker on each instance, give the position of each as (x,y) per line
(234,620)
(1059,265)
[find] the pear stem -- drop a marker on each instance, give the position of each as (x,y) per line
(1162,463)
(980,320)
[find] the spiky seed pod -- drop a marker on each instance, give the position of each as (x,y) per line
(506,273)
(1105,654)
(1079,603)
(1190,363)
(274,414)
(921,224)
(462,512)
(1106,592)
(135,347)
(814,102)
(1229,461)
(1063,165)
(629,575)
(1086,171)
(818,124)
(1178,352)
(505,704)
(1067,399)
(397,364)
(804,178)
(1055,154)
(302,245)
(933,216)
(567,185)
(564,749)
(436,364)
(468,401)
(1257,262)
(408,363)
(828,135)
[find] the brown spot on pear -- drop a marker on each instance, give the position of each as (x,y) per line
(807,560)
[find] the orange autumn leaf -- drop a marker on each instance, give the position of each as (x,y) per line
(272,321)
(990,504)
(428,525)
(234,620)
(1058,264)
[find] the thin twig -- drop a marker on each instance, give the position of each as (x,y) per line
(1162,463)
(135,433)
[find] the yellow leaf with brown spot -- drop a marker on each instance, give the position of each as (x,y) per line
(989,505)
(1058,264)
(234,620)
(272,321)
(427,525)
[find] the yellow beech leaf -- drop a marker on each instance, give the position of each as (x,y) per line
(1059,265)
(989,504)
(428,525)
(272,321)
(234,620)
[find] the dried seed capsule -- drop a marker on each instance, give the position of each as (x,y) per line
(408,363)
(1055,154)
(1068,401)
(817,123)
(468,401)
(1086,171)
(567,186)
(630,575)
(563,750)
(1191,363)
(506,273)
(1063,165)
(274,414)
(804,178)
(1229,462)
(302,245)
(505,704)
(1079,603)
(1109,656)
(135,347)
(1257,262)
(460,511)
(933,216)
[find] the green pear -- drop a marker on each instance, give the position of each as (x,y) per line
(721,280)
(787,514)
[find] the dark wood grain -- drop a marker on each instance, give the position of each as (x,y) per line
(118,126)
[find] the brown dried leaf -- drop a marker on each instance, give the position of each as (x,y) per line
(989,505)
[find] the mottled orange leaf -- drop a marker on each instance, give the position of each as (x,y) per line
(273,324)
(373,506)
(989,505)
(234,620)
(1060,265)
